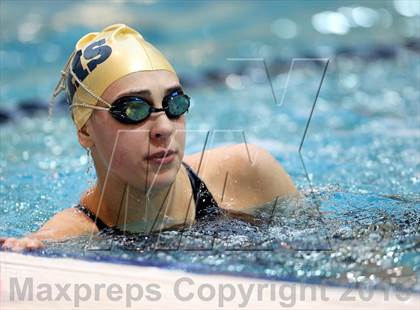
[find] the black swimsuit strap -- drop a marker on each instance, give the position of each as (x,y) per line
(99,223)
(204,202)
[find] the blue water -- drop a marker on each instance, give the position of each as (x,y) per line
(359,220)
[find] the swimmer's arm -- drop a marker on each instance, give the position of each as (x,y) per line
(269,177)
(256,183)
(67,223)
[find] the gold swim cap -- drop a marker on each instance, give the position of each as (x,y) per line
(99,59)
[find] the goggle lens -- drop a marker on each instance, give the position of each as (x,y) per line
(137,110)
(178,105)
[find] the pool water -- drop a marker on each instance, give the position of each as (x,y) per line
(358,221)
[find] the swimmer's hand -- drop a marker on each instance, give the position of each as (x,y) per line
(21,244)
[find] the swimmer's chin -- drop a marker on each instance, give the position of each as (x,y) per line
(155,181)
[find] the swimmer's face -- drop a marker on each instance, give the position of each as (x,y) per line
(134,142)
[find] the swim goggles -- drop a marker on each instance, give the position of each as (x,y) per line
(134,109)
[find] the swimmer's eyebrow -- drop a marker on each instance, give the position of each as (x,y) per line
(132,92)
(172,89)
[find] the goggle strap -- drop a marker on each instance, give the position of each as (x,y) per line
(87,89)
(84,105)
(59,87)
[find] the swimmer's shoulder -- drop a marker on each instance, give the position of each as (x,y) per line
(242,176)
(73,217)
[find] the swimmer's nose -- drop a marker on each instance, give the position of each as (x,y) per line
(162,127)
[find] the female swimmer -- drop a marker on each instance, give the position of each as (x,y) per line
(129,108)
